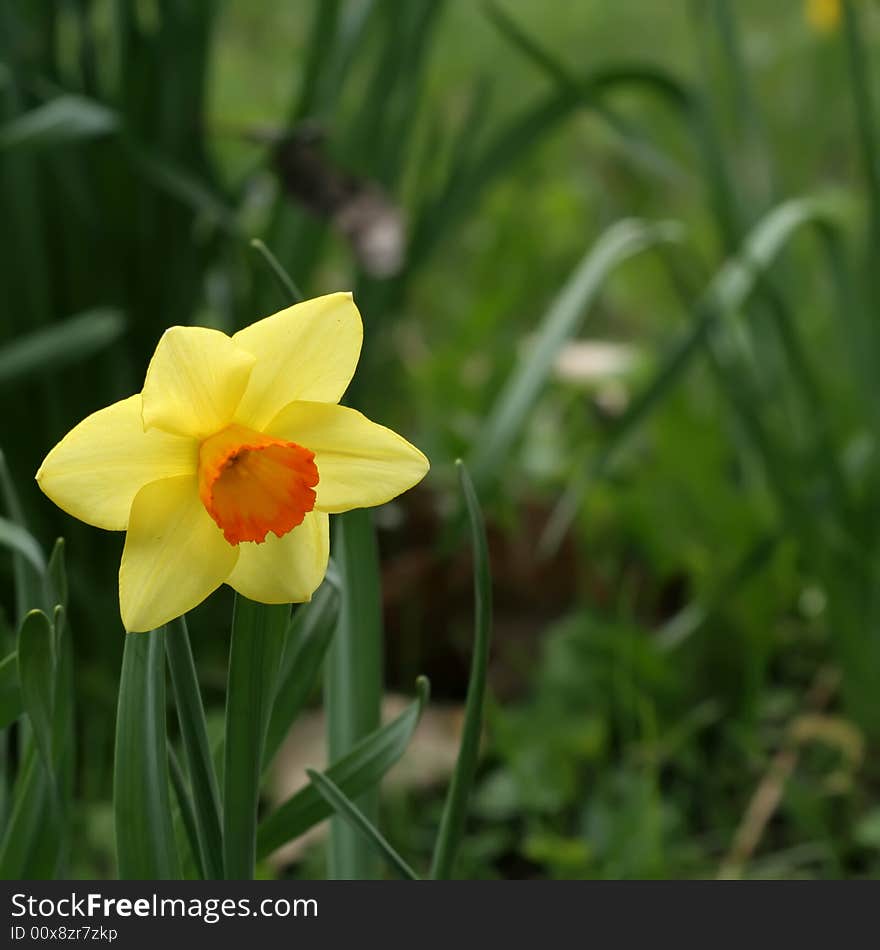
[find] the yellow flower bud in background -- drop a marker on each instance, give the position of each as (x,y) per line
(823,16)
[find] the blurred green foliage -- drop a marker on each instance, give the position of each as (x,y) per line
(701,529)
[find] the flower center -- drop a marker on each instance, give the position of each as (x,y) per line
(251,484)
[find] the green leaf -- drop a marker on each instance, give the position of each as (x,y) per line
(36,676)
(22,542)
(63,343)
(182,185)
(187,813)
(305,645)
(29,588)
(65,119)
(455,809)
(358,771)
(145,845)
(37,837)
(193,731)
(346,808)
(518,396)
(254,655)
(10,694)
(353,678)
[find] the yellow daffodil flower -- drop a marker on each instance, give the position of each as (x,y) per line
(227,464)
(823,15)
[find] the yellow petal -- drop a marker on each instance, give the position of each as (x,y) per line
(100,465)
(174,556)
(285,570)
(360,463)
(305,352)
(194,381)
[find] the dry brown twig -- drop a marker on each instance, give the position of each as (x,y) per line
(765,800)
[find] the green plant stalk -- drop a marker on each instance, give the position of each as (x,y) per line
(254,655)
(200,766)
(145,845)
(353,679)
(455,809)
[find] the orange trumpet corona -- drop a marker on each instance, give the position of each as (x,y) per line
(251,484)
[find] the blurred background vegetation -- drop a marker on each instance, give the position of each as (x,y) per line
(621,257)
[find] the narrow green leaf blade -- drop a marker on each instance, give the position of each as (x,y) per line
(10,694)
(193,730)
(64,343)
(255,652)
(65,119)
(306,644)
(187,813)
(22,542)
(145,845)
(56,574)
(455,809)
(358,771)
(36,663)
(289,291)
(346,808)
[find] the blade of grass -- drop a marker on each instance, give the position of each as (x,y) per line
(346,808)
(254,654)
(61,344)
(635,144)
(353,678)
(455,808)
(65,119)
(693,616)
(517,398)
(358,771)
(10,694)
(22,542)
(759,160)
(193,731)
(289,291)
(145,845)
(462,191)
